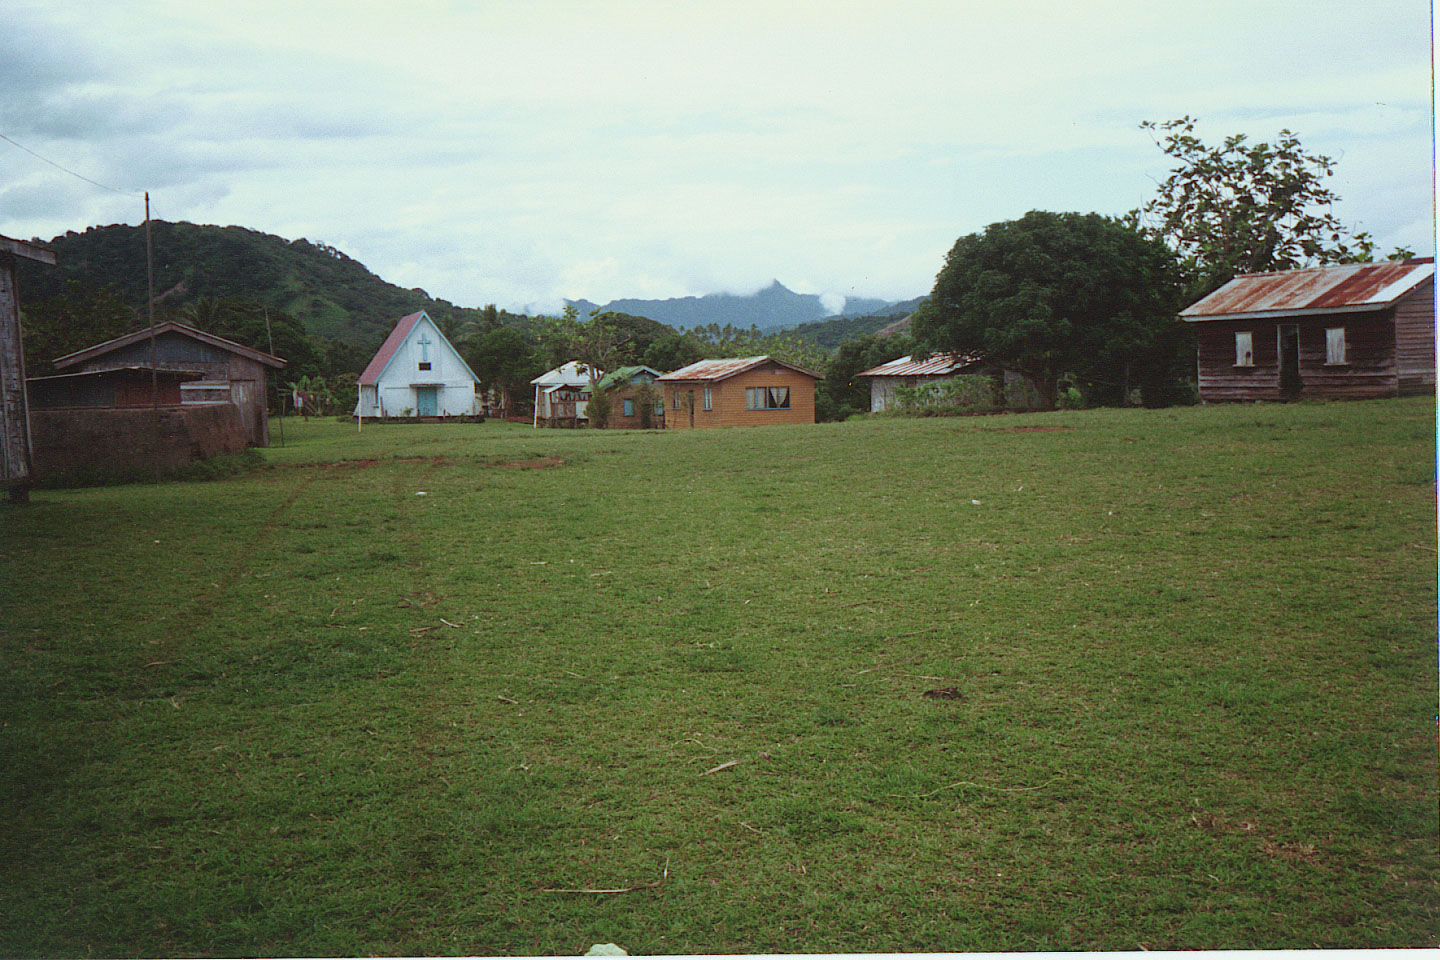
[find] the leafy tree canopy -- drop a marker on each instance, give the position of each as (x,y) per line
(673,351)
(1057,293)
(77,317)
(505,361)
(1246,207)
(244,320)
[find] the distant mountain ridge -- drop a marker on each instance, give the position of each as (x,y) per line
(336,297)
(775,307)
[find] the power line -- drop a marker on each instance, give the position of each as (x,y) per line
(127,193)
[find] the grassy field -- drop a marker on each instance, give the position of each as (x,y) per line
(1083,680)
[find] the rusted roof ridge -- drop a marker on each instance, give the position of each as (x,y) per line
(1314,290)
(168,326)
(1362,286)
(726,367)
(939,365)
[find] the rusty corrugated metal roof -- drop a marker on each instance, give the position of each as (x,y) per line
(1353,286)
(166,326)
(936,366)
(729,367)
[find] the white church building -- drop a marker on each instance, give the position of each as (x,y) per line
(417,373)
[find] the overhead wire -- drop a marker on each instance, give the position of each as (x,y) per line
(63,169)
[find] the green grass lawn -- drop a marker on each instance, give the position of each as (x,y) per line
(1139,679)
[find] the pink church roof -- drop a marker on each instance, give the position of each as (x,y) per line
(376,366)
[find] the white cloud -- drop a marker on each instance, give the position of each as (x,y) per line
(512,152)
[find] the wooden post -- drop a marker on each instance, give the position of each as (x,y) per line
(17,455)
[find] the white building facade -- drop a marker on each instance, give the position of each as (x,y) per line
(417,373)
(563,393)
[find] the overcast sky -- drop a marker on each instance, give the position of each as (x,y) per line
(518,153)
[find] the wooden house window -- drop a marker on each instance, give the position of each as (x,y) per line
(767,398)
(629,407)
(1244,349)
(1334,345)
(706,404)
(675,400)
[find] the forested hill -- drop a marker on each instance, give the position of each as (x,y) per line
(829,333)
(331,294)
(336,298)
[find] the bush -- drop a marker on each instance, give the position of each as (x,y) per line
(599,409)
(965,393)
(1070,399)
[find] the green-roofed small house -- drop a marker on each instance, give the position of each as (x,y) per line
(621,386)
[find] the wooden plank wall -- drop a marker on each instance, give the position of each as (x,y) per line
(14,417)
(1369,370)
(1415,340)
(1220,379)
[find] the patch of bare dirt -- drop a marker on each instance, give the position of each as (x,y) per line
(1034,429)
(944,693)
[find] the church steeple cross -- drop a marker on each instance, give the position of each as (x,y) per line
(424,343)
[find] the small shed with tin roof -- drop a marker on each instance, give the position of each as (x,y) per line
(907,371)
(739,391)
(1353,331)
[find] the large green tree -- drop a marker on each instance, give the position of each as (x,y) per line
(504,361)
(1053,294)
(1244,207)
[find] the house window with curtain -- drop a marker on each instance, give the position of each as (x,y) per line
(1244,349)
(629,407)
(1334,345)
(767,398)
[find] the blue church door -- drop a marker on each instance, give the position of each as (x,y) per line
(425,401)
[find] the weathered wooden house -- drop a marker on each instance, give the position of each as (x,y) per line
(417,373)
(16,460)
(622,386)
(739,391)
(231,368)
(561,394)
(1342,332)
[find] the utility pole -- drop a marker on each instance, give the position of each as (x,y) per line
(150,309)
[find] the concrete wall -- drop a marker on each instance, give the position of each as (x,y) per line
(82,442)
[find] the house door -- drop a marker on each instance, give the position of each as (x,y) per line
(425,405)
(1290,382)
